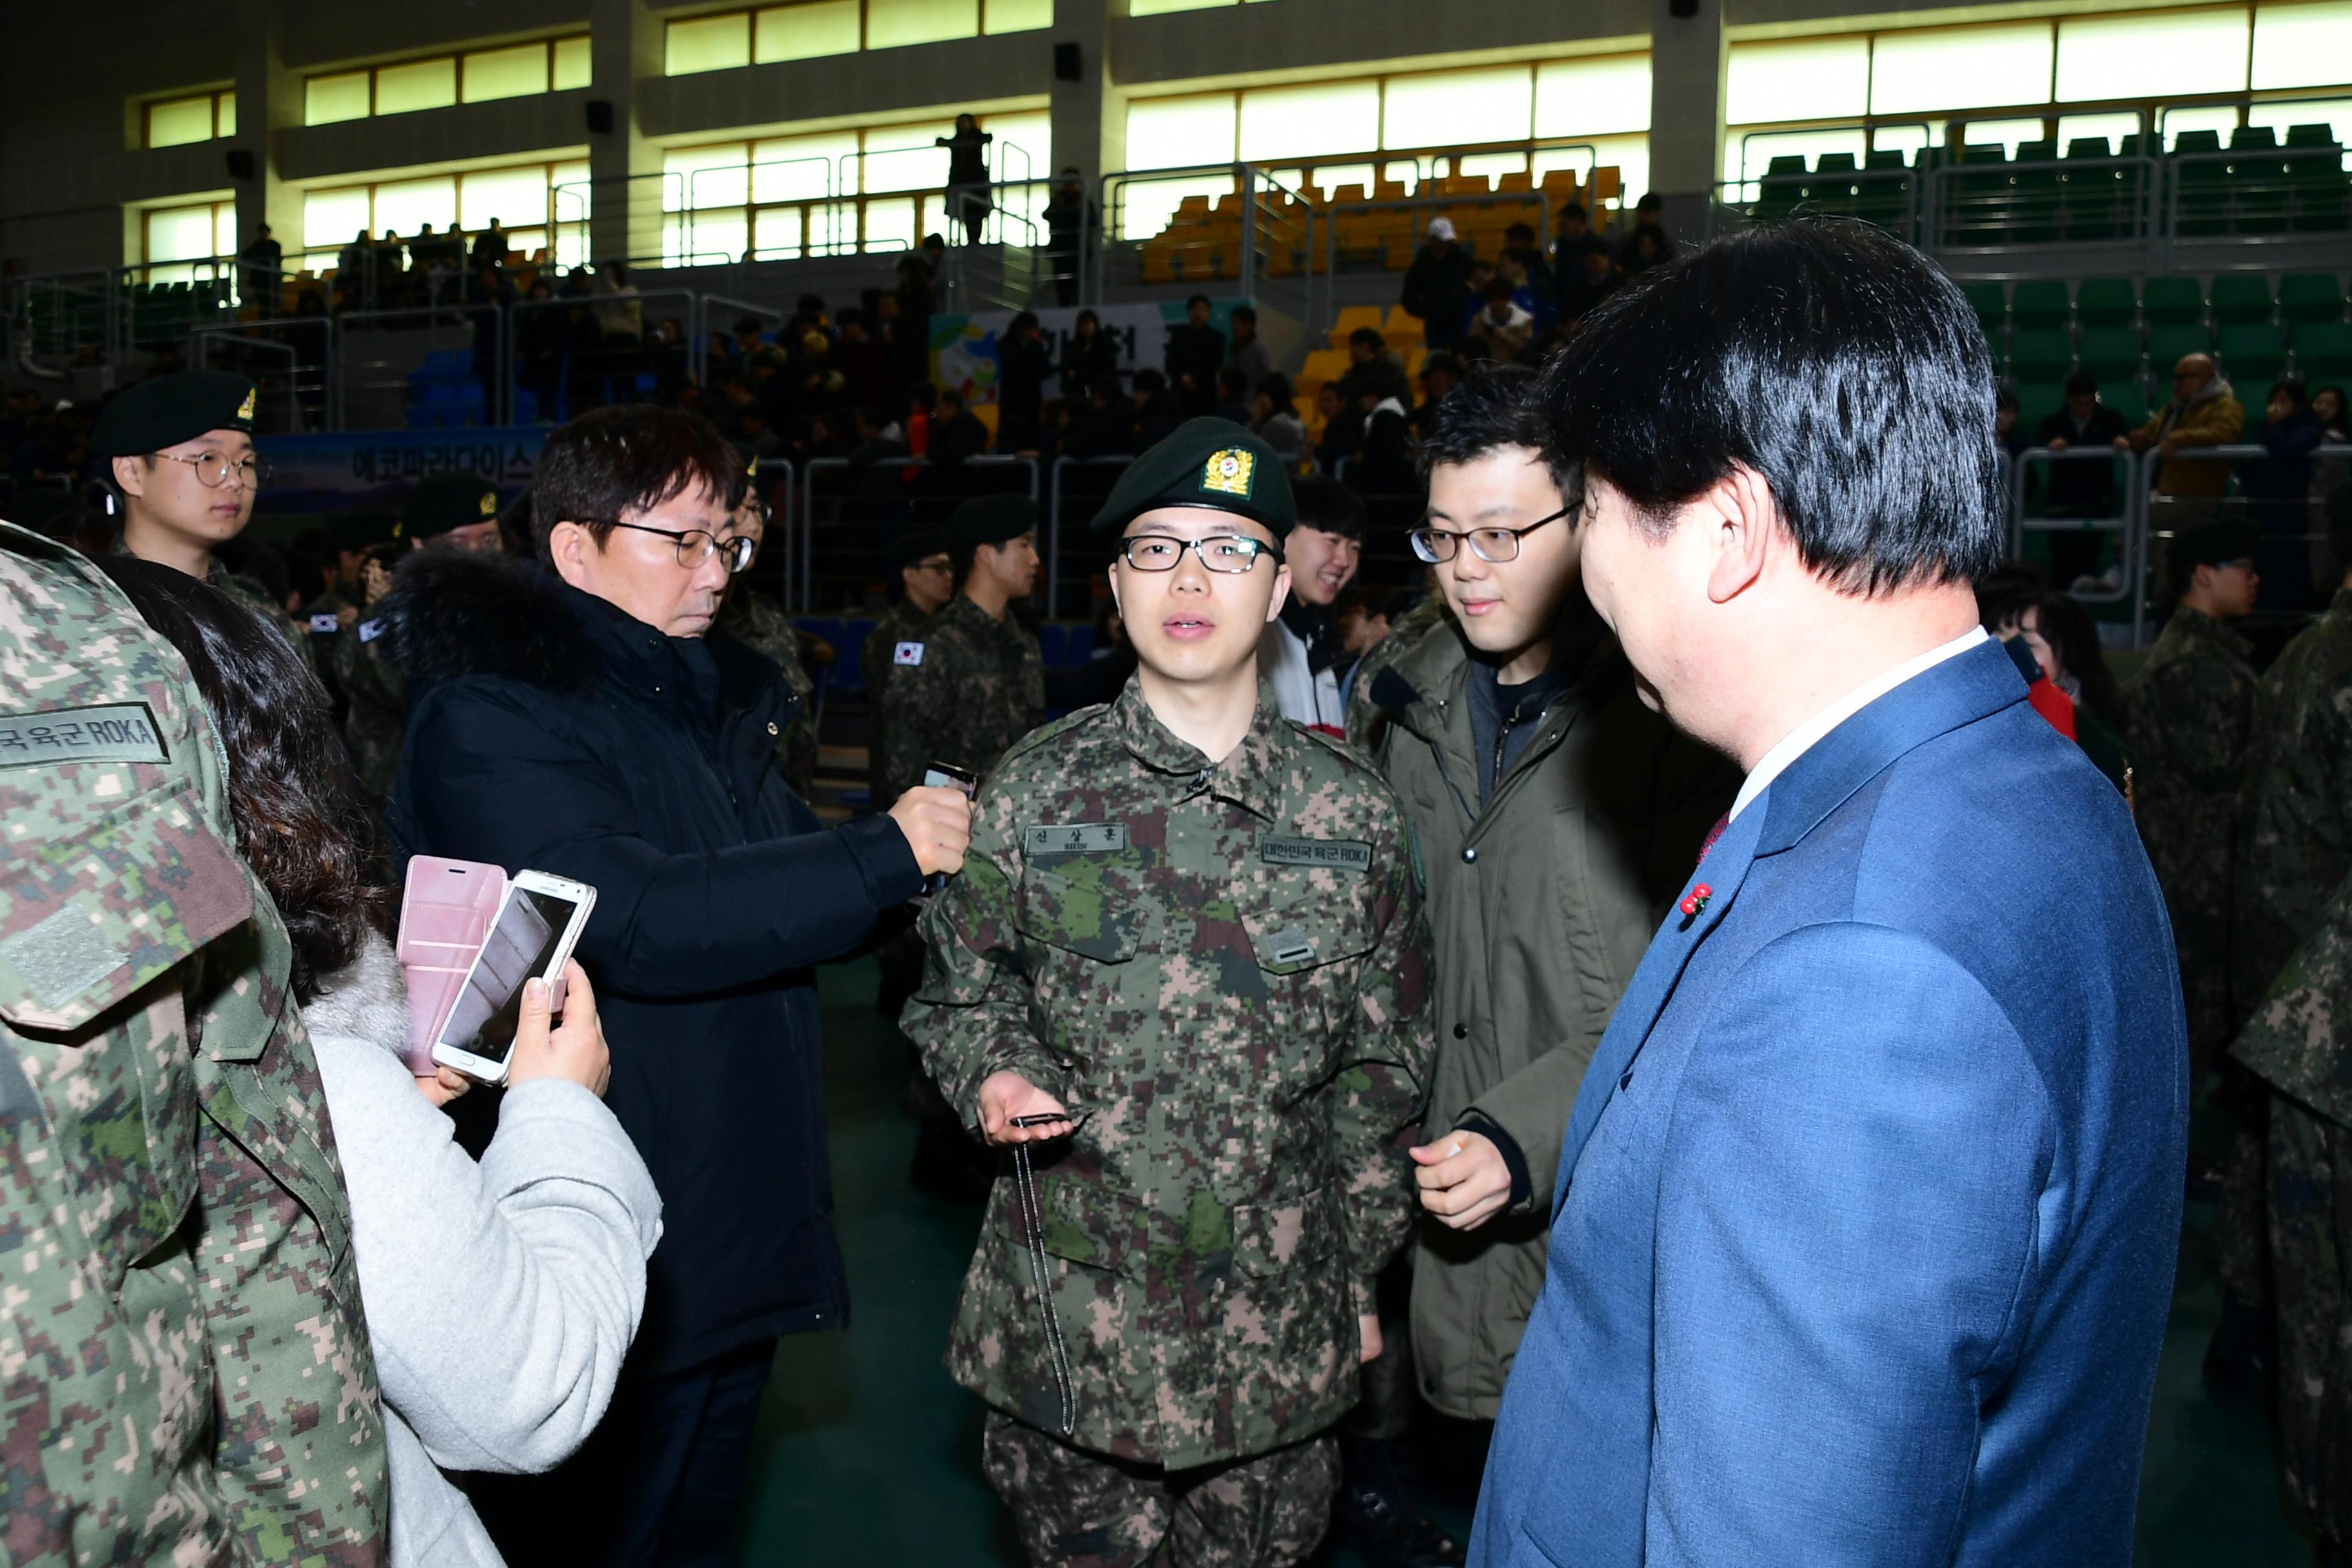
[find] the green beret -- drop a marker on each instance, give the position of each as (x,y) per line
(446,502)
(992,520)
(172,409)
(918,544)
(2215,544)
(1214,464)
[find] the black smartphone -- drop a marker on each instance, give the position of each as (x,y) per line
(947,775)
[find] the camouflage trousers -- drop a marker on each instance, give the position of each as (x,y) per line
(2311,1245)
(2240,1241)
(1087,1511)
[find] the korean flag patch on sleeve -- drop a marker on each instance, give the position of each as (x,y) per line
(908,652)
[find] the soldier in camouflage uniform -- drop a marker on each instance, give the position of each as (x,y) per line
(1195,965)
(184,1377)
(183,476)
(754,620)
(1365,720)
(2299,1042)
(927,578)
(2190,716)
(451,511)
(975,682)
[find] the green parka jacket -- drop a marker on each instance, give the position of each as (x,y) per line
(1541,907)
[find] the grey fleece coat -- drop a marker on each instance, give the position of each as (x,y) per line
(500,1296)
(1541,906)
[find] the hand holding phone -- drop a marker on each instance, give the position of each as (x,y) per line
(936,818)
(573,1049)
(1015,1110)
(538,923)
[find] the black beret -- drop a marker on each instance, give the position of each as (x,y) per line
(172,409)
(2215,544)
(446,502)
(1210,463)
(992,520)
(919,544)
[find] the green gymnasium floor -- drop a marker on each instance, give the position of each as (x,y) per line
(867,1455)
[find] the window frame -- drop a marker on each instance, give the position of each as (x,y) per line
(148,107)
(457,58)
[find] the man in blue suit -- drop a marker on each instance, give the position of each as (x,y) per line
(1865,1231)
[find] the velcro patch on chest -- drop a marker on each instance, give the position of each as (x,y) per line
(908,652)
(1340,854)
(1077,838)
(110,732)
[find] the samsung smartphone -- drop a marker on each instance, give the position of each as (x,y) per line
(947,775)
(537,926)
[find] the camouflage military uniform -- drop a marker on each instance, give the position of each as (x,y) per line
(2294,833)
(375,705)
(2189,716)
(900,623)
(753,620)
(1223,971)
(977,685)
(2299,1041)
(249,592)
(1365,720)
(127,935)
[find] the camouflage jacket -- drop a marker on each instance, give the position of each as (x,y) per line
(2190,716)
(2299,1039)
(972,687)
(125,925)
(376,698)
(753,620)
(1365,720)
(900,623)
(1224,969)
(2294,818)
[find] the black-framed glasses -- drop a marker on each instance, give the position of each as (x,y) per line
(1492,545)
(1227,552)
(215,470)
(940,565)
(695,546)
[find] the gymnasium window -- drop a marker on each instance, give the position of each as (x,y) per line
(479,75)
(818,27)
(200,117)
(524,198)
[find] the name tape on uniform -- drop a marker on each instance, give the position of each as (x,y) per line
(1077,839)
(1350,854)
(111,733)
(908,653)
(1290,945)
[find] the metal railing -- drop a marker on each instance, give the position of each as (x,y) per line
(412,367)
(1057,496)
(578,352)
(845,528)
(291,357)
(2022,520)
(2156,509)
(1262,247)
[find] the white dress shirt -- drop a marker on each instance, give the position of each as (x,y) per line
(1802,738)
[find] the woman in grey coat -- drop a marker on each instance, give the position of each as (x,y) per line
(500,1296)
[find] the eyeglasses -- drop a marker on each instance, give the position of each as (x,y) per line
(1219,553)
(214,471)
(695,546)
(1492,545)
(931,566)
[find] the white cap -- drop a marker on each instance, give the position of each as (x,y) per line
(1441,228)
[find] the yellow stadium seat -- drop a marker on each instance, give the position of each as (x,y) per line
(1193,209)
(1352,317)
(1521,180)
(1342,195)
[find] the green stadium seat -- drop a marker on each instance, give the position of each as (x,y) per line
(1991,302)
(2319,192)
(2134,144)
(1834,164)
(2040,353)
(1883,197)
(2111,353)
(2106,302)
(2323,350)
(2037,401)
(2089,147)
(2191,141)
(1781,187)
(2128,398)
(2311,297)
(2252,138)
(2172,301)
(2241,297)
(2166,345)
(2311,135)
(2040,302)
(2251,351)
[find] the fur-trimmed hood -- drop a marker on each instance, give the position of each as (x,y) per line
(454,612)
(367,999)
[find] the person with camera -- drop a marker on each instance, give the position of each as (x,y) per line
(580,716)
(500,1296)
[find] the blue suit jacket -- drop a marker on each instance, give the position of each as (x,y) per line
(1864,1233)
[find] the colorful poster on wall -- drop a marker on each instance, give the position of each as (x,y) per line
(374,470)
(963,348)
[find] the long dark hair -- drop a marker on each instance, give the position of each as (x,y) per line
(2074,636)
(299,821)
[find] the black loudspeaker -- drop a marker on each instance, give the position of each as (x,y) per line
(600,115)
(240,163)
(1683,8)
(1065,62)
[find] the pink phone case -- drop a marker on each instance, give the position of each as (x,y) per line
(446,912)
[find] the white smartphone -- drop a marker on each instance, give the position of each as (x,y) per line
(538,924)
